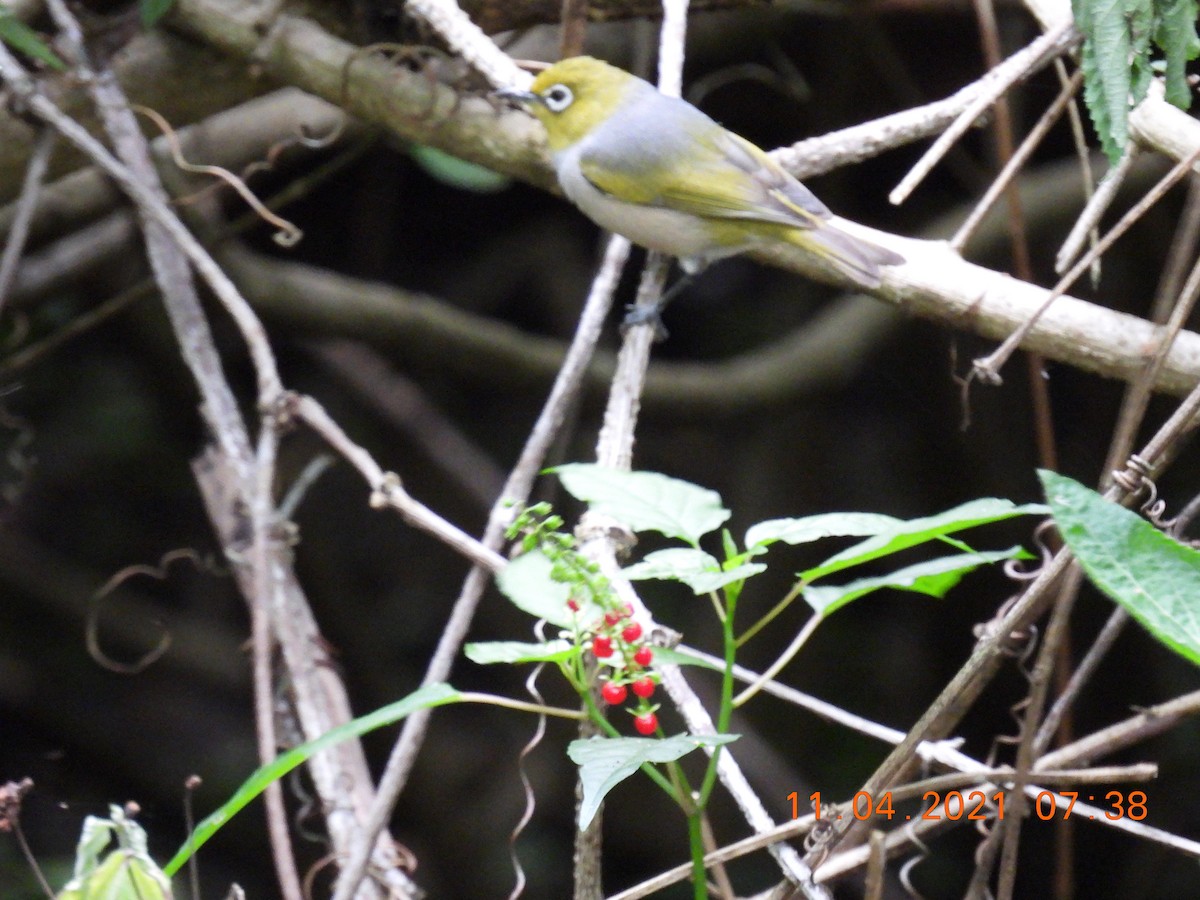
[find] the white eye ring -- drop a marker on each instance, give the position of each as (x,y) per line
(558,97)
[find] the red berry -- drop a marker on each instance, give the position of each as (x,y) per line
(646,723)
(631,633)
(573,605)
(602,647)
(628,610)
(643,657)
(613,693)
(612,618)
(644,687)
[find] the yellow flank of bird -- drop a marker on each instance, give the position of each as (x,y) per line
(663,174)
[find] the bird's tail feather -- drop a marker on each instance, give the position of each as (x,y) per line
(856,258)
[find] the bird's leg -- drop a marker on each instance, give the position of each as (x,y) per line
(651,313)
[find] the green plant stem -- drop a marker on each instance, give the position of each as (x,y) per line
(725,712)
(784,658)
(770,616)
(608,728)
(696,840)
(520,705)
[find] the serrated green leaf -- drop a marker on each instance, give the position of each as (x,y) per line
(813,528)
(423,698)
(489,652)
(1106,61)
(933,577)
(905,534)
(457,172)
(695,568)
(1139,20)
(527,583)
(1175,35)
(24,39)
(606,762)
(1155,578)
(646,501)
(153,10)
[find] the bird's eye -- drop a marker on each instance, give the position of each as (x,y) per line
(558,97)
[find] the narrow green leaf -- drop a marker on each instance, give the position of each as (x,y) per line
(24,39)
(813,528)
(695,568)
(488,652)
(1156,578)
(153,10)
(903,535)
(606,762)
(457,172)
(423,698)
(646,501)
(933,577)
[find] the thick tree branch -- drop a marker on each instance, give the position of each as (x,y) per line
(934,283)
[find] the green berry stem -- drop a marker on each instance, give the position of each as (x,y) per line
(725,712)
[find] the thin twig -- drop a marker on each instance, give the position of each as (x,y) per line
(987,368)
(35,174)
(1175,307)
(1019,158)
(1018,66)
(1153,720)
(1089,220)
(467,40)
(1080,677)
(387,489)
(1057,632)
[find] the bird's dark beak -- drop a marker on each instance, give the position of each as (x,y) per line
(517,95)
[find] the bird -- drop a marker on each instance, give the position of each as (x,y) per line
(665,175)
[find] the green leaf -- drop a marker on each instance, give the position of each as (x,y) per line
(933,578)
(429,696)
(1156,578)
(121,876)
(695,568)
(24,39)
(646,501)
(1107,79)
(903,534)
(682,656)
(813,528)
(1175,35)
(127,871)
(457,172)
(153,10)
(527,583)
(488,652)
(606,762)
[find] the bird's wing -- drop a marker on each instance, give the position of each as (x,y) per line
(715,174)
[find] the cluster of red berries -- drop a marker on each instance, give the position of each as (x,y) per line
(615,642)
